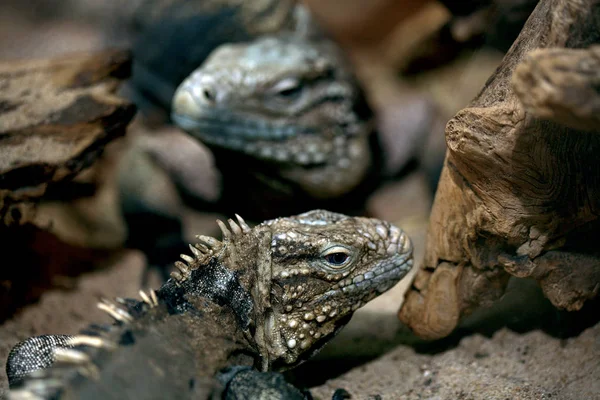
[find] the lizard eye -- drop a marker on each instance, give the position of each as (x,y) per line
(337,257)
(288,88)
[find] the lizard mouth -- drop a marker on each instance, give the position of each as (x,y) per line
(224,127)
(258,138)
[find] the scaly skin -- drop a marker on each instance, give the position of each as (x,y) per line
(267,298)
(173,37)
(288,101)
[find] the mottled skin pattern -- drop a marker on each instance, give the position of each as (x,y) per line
(288,101)
(267,297)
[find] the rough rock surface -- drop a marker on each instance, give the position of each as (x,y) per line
(56,116)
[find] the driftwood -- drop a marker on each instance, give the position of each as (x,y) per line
(56,116)
(562,85)
(520,189)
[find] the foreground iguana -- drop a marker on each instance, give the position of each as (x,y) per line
(267,297)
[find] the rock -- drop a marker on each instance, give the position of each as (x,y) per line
(56,116)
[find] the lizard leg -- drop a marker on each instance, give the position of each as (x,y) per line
(247,383)
(33,354)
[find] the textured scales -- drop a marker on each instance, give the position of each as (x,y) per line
(288,100)
(266,297)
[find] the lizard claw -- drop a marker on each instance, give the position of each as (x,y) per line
(341,394)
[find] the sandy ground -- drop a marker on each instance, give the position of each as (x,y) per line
(375,354)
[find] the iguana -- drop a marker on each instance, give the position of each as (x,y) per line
(262,299)
(287,124)
(290,111)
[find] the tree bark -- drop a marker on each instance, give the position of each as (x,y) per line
(520,189)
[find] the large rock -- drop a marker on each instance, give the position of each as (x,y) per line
(56,116)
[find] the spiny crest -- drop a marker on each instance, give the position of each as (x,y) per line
(208,247)
(121,314)
(45,383)
(151,299)
(118,313)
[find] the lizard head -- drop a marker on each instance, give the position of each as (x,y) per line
(324,266)
(286,101)
(294,282)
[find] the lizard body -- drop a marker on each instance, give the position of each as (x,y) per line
(262,299)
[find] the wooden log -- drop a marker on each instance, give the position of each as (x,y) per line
(562,85)
(56,116)
(519,195)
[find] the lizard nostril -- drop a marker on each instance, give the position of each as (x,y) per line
(209,94)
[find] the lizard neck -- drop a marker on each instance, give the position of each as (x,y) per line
(214,283)
(237,280)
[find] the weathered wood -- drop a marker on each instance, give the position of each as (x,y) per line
(562,85)
(56,116)
(518,195)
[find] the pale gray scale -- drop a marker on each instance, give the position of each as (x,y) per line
(364,285)
(343,163)
(266,152)
(302,158)
(313,222)
(311,147)
(349,288)
(381,231)
(319,158)
(392,248)
(281,155)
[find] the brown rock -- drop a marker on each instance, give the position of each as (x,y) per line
(56,116)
